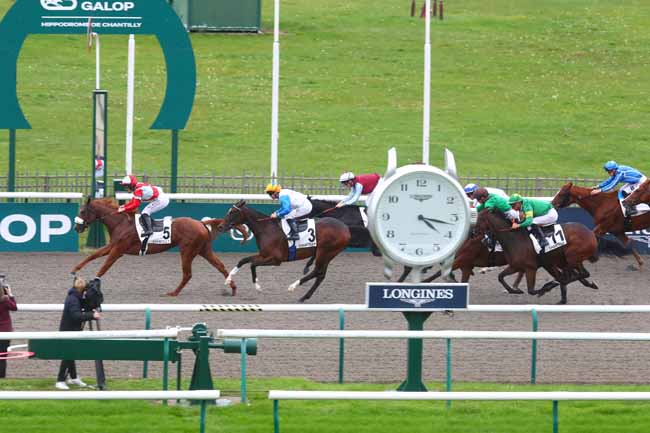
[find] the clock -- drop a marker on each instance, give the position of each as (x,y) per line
(419,216)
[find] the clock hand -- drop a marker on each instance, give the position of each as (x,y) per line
(424,220)
(421,217)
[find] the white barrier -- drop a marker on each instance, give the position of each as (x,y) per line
(341,307)
(110,395)
(71,335)
(480,335)
(487,396)
(232,197)
(65,195)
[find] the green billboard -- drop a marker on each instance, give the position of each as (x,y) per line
(38,227)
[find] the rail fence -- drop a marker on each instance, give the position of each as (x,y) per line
(254,183)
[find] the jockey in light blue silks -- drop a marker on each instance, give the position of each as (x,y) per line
(293,205)
(617,174)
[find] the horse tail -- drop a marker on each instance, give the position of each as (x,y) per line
(212,225)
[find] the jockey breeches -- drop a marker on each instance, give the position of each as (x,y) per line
(303,210)
(159,203)
(629,188)
(545,220)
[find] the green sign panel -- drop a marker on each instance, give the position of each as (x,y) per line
(38,227)
(144,17)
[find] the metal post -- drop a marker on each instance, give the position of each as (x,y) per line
(533,361)
(202,420)
(11,183)
(341,344)
(147,325)
(243,370)
(426,105)
(165,367)
(174,179)
(413,380)
(179,364)
(448,369)
(276,416)
(556,422)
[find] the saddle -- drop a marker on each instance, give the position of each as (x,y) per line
(306,231)
(162,232)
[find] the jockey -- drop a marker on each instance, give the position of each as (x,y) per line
(491,201)
(471,188)
(144,192)
(617,174)
(537,213)
(361,184)
(292,205)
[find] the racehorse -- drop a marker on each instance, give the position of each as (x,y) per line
(605,210)
(332,237)
(564,264)
(352,216)
(191,236)
(640,195)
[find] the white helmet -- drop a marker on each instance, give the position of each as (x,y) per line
(346,177)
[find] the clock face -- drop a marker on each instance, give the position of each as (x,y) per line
(421,216)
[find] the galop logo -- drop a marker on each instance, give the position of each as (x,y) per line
(59,5)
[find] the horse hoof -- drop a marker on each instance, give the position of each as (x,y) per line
(225,292)
(516,292)
(293,286)
(232,285)
(562,302)
(228,282)
(258,287)
(172,294)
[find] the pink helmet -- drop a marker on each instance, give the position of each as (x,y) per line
(129,180)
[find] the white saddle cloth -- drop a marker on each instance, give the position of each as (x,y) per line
(307,237)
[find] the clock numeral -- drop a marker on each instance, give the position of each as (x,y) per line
(448,234)
(393,199)
(439,187)
(454,217)
(419,251)
(421,183)
(385,216)
(404,187)
(390,233)
(436,247)
(451,199)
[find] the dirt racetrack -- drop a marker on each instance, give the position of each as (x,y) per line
(45,278)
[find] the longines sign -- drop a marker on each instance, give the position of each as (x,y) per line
(417,297)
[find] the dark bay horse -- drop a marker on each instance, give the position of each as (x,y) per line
(605,210)
(192,237)
(351,216)
(564,264)
(640,195)
(332,237)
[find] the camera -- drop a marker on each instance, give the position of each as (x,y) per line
(3,281)
(93,296)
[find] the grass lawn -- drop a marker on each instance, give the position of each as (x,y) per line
(325,416)
(519,88)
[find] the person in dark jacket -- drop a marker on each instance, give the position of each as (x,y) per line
(7,304)
(72,320)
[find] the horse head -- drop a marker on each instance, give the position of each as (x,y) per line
(563,198)
(640,195)
(490,220)
(92,211)
(235,216)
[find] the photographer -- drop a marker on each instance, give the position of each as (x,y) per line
(73,318)
(7,304)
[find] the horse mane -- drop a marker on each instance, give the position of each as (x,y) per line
(105,202)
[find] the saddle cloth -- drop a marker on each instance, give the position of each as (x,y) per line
(162,230)
(554,236)
(306,230)
(364,216)
(640,209)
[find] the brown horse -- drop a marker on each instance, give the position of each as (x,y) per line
(332,237)
(564,264)
(192,237)
(605,210)
(640,195)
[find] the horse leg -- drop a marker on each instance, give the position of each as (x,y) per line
(99,253)
(236,269)
(625,241)
(584,274)
(212,258)
(319,274)
(509,271)
(520,276)
(438,274)
(261,261)
(531,275)
(186,263)
(112,257)
(405,273)
(308,265)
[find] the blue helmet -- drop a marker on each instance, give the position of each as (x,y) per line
(470,188)
(610,165)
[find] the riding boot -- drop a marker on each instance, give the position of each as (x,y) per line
(539,234)
(293,230)
(147,226)
(143,245)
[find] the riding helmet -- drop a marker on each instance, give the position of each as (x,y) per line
(470,188)
(129,180)
(347,176)
(515,198)
(272,188)
(481,193)
(610,165)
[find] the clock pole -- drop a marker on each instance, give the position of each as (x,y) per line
(413,380)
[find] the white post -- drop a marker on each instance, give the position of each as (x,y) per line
(276,91)
(97,62)
(129,106)
(427,85)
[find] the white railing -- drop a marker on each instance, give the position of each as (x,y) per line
(231,197)
(72,335)
(341,307)
(110,395)
(65,195)
(480,335)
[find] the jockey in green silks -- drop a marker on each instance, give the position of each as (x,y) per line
(537,213)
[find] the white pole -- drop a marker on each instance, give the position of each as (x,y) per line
(97,63)
(276,91)
(129,106)
(427,85)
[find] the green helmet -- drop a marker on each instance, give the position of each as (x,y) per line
(515,198)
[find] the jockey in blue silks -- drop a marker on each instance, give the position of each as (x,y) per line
(617,174)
